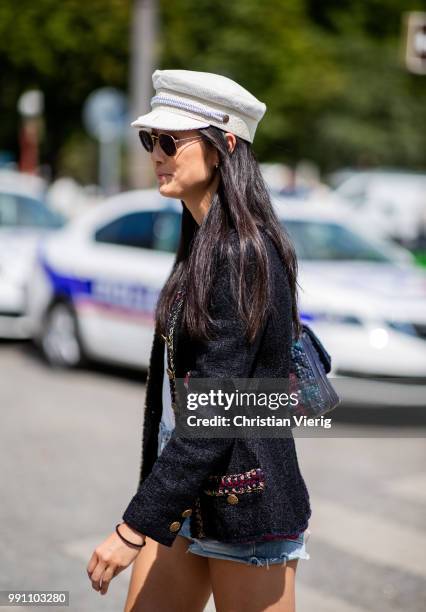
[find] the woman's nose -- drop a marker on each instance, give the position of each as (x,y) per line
(157,152)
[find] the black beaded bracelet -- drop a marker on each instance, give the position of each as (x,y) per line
(127,541)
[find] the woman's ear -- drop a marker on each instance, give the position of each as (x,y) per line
(231,141)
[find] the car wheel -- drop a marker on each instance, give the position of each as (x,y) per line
(60,340)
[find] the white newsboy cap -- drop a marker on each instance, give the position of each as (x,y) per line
(188,100)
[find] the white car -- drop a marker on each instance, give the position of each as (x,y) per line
(95,286)
(394,201)
(366,299)
(24,219)
(96,283)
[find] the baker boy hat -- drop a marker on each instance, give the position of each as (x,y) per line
(188,100)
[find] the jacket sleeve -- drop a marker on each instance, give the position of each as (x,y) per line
(177,475)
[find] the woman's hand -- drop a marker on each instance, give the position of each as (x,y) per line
(112,557)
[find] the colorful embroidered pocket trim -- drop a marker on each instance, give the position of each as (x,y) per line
(251,481)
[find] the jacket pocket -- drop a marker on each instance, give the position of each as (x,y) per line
(233,485)
(232,505)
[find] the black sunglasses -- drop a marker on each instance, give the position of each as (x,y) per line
(166,142)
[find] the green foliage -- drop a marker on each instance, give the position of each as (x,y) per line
(271,48)
(330,72)
(66,49)
(375,120)
(77,157)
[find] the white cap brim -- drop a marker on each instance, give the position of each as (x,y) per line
(161,119)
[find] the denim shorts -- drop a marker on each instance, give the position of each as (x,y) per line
(254,553)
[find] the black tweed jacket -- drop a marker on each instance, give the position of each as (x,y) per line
(273,498)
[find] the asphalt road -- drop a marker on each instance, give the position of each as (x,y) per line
(70,455)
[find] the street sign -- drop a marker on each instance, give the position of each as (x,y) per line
(105,114)
(415,50)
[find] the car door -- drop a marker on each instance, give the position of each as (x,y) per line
(131,258)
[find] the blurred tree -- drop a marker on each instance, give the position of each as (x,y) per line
(65,49)
(77,157)
(330,72)
(376,117)
(271,48)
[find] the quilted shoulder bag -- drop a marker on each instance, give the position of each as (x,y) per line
(309,365)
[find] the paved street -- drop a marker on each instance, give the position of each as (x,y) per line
(70,456)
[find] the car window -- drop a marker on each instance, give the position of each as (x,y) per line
(32,213)
(156,230)
(21,211)
(8,210)
(167,231)
(330,241)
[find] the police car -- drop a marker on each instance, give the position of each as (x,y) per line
(96,283)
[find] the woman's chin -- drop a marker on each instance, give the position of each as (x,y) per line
(162,187)
(166,189)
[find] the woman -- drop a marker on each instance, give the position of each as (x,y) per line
(227,310)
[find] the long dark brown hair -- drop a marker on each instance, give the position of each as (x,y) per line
(242,202)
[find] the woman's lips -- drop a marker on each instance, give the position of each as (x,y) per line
(161,175)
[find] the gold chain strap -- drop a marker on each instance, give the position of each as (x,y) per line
(170,341)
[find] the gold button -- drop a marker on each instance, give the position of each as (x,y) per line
(186,513)
(232,499)
(170,373)
(175,526)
